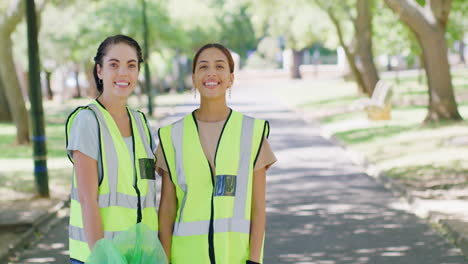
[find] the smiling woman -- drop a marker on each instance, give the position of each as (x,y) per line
(121,76)
(213,73)
(213,164)
(111,149)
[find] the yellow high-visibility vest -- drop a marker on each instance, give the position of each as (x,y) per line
(213,211)
(127,191)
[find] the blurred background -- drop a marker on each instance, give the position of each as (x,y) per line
(316,55)
(326,59)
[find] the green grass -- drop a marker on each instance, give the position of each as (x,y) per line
(456,74)
(427,171)
(341,100)
(357,136)
(429,176)
(417,154)
(16,182)
(23,181)
(339,117)
(409,108)
(404,79)
(55,140)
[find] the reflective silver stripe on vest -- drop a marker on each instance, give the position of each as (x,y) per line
(237,223)
(111,156)
(149,200)
(78,233)
(141,130)
(123,200)
(177,134)
(220,226)
(244,166)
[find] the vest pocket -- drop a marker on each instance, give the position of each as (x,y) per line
(147,169)
(225,185)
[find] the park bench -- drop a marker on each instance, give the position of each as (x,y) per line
(379,105)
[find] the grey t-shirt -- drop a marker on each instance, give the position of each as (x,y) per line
(84,137)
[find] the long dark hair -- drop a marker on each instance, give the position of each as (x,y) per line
(102,51)
(217,46)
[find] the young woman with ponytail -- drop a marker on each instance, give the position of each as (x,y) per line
(111,148)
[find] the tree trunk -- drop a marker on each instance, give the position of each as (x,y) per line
(77,84)
(462,51)
(180,72)
(349,54)
(429,23)
(160,85)
(48,88)
(148,87)
(355,71)
(397,76)
(13,92)
(294,71)
(389,63)
(442,104)
(421,69)
(364,45)
(5,115)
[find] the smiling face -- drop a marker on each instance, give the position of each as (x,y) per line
(119,70)
(212,76)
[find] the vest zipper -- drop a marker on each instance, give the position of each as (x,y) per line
(211,229)
(211,250)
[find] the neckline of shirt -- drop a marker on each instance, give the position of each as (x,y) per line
(215,122)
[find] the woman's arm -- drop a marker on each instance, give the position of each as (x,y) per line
(258,214)
(167,212)
(87,180)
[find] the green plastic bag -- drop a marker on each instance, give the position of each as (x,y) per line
(137,245)
(104,251)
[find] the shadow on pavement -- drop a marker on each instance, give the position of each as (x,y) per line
(321,208)
(52,248)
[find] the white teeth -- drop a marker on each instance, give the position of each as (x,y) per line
(211,83)
(121,83)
